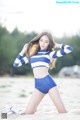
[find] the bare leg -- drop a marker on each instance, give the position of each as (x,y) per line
(34,102)
(54,94)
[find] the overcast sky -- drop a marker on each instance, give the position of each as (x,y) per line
(39,15)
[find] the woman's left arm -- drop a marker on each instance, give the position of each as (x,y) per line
(65,49)
(20,60)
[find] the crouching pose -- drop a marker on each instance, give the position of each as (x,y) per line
(40,53)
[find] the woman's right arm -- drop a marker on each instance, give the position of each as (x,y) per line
(20,60)
(65,49)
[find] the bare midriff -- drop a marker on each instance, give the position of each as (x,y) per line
(40,72)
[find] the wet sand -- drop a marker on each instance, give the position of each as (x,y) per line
(18,90)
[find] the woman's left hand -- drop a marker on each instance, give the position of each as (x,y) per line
(23,51)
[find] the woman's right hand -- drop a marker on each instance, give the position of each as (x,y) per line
(24,49)
(57,45)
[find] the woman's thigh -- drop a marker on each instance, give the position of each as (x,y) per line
(34,101)
(56,99)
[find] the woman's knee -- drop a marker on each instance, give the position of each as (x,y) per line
(62,110)
(30,111)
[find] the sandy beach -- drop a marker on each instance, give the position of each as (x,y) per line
(18,90)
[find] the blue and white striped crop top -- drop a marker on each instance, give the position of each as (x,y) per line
(43,57)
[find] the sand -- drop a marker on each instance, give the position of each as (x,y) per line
(18,90)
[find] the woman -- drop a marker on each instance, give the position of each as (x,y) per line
(41,54)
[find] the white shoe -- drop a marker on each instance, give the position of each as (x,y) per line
(6,109)
(11,110)
(14,110)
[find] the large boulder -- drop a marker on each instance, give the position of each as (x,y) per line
(72,71)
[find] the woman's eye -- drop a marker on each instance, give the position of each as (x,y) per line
(41,40)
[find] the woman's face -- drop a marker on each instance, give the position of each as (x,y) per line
(44,42)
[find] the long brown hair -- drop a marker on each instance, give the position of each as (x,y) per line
(33,46)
